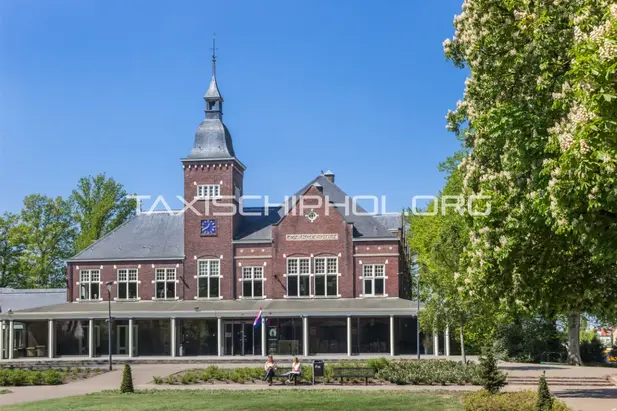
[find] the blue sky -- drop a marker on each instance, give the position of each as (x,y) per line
(358,87)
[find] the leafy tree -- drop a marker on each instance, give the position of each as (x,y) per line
(10,251)
(99,204)
(521,55)
(438,238)
(47,232)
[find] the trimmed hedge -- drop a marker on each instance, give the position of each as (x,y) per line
(429,372)
(12,377)
(507,401)
(426,372)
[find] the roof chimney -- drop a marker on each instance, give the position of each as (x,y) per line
(329,175)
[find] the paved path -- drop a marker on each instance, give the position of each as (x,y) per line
(580,397)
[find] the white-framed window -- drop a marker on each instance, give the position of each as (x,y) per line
(165,283)
(208,191)
(374,279)
(127,283)
(326,276)
(252,282)
(208,278)
(89,284)
(298,277)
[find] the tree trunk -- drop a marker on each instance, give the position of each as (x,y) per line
(463,344)
(574,336)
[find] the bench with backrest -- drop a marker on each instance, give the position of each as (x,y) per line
(283,370)
(354,372)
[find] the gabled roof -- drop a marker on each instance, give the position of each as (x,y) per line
(148,236)
(365,226)
(160,235)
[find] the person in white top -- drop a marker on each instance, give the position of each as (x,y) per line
(269,368)
(296,370)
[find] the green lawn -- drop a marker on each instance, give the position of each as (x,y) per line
(275,399)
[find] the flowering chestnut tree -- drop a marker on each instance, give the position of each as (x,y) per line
(538,116)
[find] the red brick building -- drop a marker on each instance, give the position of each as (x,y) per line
(328,277)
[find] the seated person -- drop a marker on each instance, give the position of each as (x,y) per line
(296,370)
(269,368)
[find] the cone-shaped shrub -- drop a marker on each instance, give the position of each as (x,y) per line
(127,380)
(492,379)
(545,401)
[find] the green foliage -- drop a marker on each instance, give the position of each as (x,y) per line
(10,250)
(99,205)
(545,400)
(127,380)
(46,232)
(540,134)
(507,401)
(592,351)
(525,339)
(429,372)
(157,380)
(400,372)
(492,379)
(18,377)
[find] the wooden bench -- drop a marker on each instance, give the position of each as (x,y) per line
(283,370)
(354,372)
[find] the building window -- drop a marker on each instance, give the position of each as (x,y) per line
(374,279)
(298,277)
(165,283)
(208,278)
(89,283)
(127,284)
(205,191)
(326,276)
(252,282)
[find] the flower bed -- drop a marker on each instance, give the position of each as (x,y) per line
(425,372)
(11,377)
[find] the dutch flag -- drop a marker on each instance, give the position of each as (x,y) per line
(257,319)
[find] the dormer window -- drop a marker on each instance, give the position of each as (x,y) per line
(206,191)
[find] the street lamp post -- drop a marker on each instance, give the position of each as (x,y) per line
(109,284)
(418,318)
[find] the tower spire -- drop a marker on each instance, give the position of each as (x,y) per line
(214,55)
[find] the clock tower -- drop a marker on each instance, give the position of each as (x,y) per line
(213,185)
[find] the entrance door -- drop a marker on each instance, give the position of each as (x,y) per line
(122,339)
(240,339)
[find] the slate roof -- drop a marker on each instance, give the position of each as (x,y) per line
(160,235)
(365,226)
(225,308)
(23,299)
(147,236)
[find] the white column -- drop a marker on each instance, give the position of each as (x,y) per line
(435,343)
(219,336)
(51,331)
(349,336)
(11,334)
(392,342)
(446,338)
(131,336)
(2,333)
(305,336)
(172,336)
(264,348)
(91,338)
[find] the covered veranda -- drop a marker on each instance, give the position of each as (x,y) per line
(201,328)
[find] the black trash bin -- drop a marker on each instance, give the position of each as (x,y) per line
(319,370)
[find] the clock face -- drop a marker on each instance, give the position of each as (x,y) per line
(208,227)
